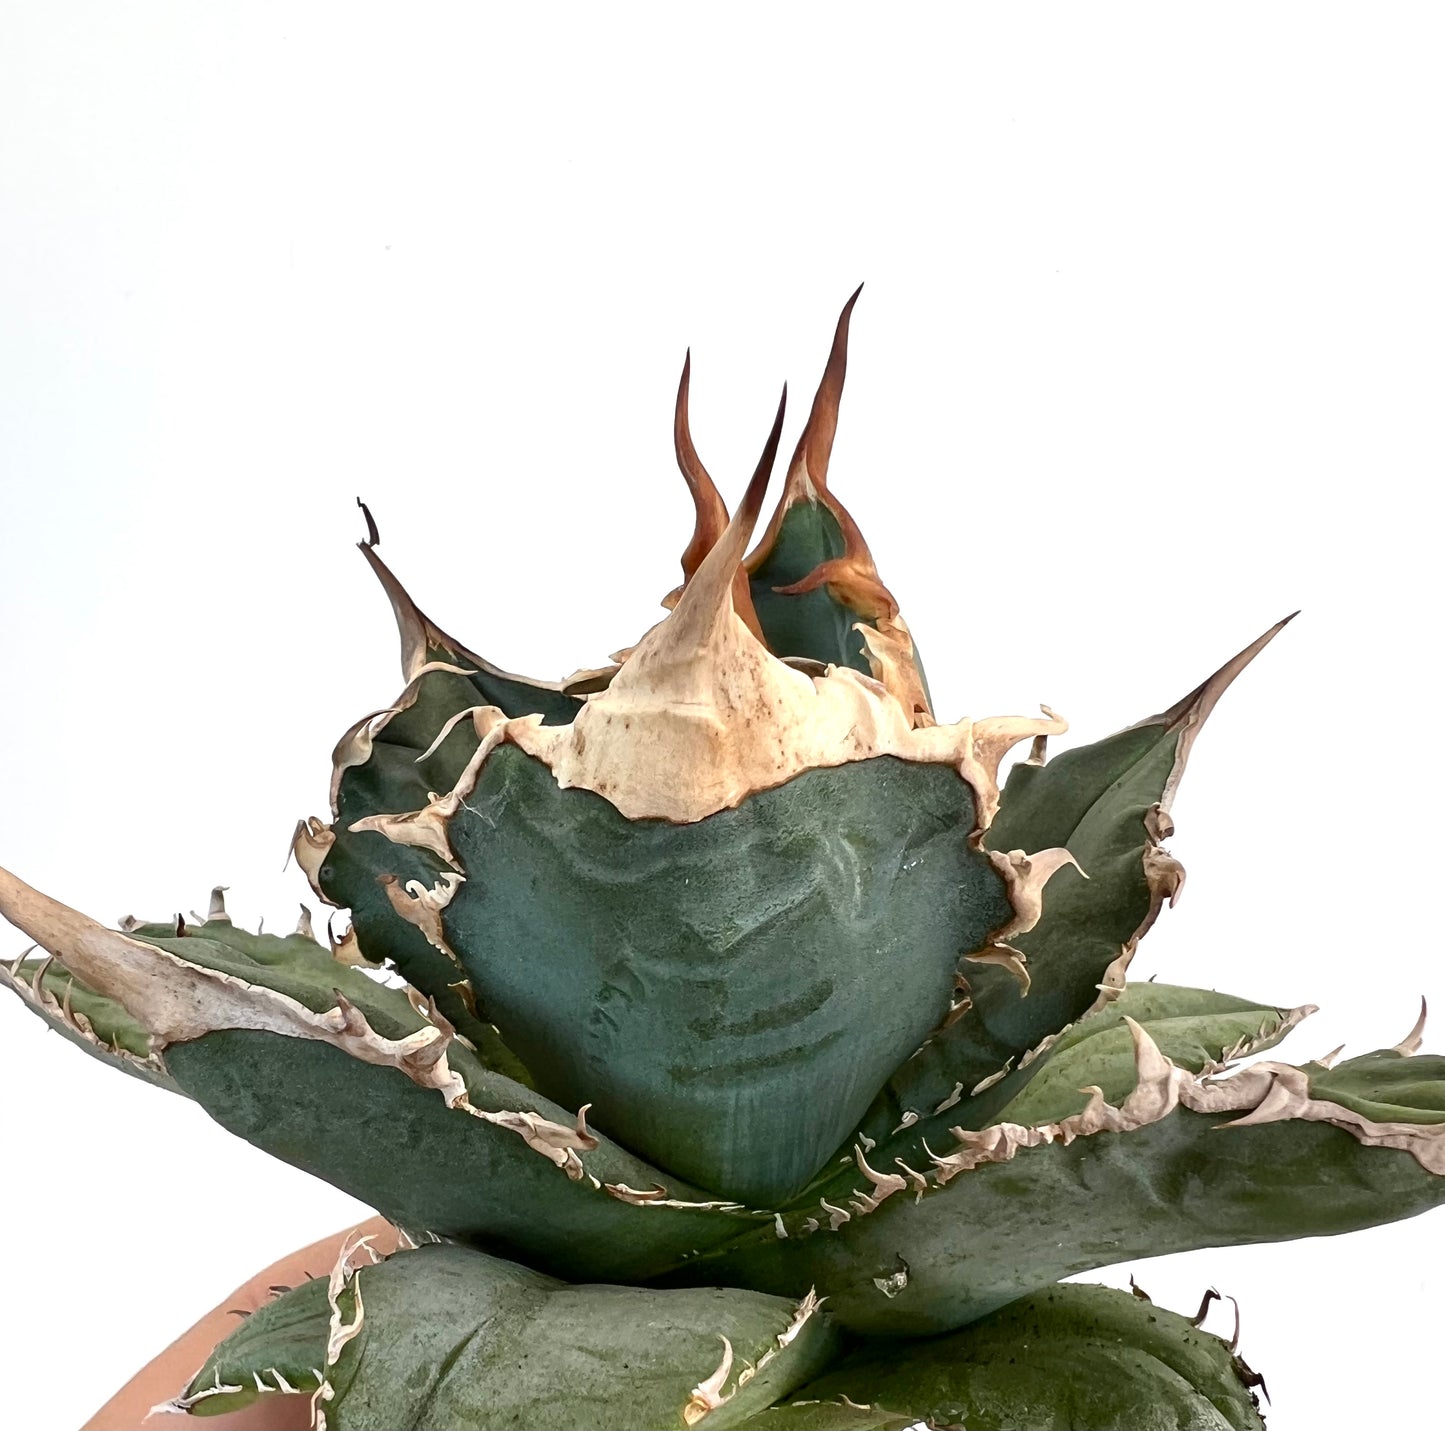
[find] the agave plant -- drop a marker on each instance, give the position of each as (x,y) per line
(731,1045)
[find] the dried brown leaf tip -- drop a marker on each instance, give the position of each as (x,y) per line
(807,481)
(1189,714)
(710,513)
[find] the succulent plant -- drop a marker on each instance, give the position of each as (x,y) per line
(733,1046)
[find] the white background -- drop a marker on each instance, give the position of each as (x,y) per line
(1149,356)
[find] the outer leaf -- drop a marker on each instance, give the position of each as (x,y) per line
(424,643)
(378,767)
(1108,804)
(279,1348)
(1008,1209)
(1197,1029)
(294,965)
(714,988)
(324,1067)
(99,1026)
(400,1149)
(1387,1086)
(449,1337)
(1068,1357)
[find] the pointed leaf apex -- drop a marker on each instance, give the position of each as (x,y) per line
(711,513)
(809,467)
(850,578)
(1188,715)
(808,471)
(416,632)
(752,503)
(422,640)
(704,600)
(710,521)
(1195,708)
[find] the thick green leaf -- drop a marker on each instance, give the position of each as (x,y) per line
(1106,803)
(279,1348)
(1386,1087)
(378,1136)
(453,1338)
(1005,1228)
(372,1131)
(1195,1028)
(1067,1357)
(322,1065)
(729,994)
(92,1022)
